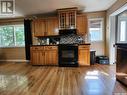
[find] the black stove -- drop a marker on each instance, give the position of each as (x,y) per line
(68,55)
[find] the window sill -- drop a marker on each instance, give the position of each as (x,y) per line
(14,47)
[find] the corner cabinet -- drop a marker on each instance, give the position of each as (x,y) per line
(44,55)
(84,55)
(82,24)
(45,27)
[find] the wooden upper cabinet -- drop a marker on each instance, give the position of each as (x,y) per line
(45,27)
(39,27)
(67,18)
(52,26)
(82,24)
(84,55)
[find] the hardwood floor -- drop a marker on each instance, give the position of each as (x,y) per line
(24,79)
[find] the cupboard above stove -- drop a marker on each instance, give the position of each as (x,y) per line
(66,19)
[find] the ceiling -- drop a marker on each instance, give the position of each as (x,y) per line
(30,7)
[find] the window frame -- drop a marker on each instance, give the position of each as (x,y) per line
(102,26)
(14,36)
(119,19)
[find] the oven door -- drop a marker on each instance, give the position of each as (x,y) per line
(68,55)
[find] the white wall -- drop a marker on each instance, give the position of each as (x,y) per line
(99,47)
(112,30)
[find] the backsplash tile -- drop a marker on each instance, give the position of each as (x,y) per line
(71,39)
(65,39)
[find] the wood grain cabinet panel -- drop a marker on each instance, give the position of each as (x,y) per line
(52,26)
(83,55)
(45,27)
(35,58)
(51,57)
(44,55)
(41,58)
(39,27)
(82,24)
(55,57)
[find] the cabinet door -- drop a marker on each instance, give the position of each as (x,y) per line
(82,24)
(83,56)
(51,57)
(35,55)
(54,57)
(48,57)
(67,18)
(39,27)
(41,58)
(52,26)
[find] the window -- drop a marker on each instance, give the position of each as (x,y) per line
(123,31)
(12,36)
(96,29)
(122,28)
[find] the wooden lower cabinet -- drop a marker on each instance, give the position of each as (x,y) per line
(41,58)
(34,57)
(51,57)
(44,55)
(84,55)
(48,55)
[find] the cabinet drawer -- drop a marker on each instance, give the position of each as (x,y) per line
(37,48)
(50,47)
(84,47)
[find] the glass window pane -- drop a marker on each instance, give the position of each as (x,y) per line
(95,29)
(122,28)
(123,31)
(7,38)
(11,36)
(19,31)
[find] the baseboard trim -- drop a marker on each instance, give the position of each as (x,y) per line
(14,61)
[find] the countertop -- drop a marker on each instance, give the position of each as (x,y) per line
(46,45)
(63,44)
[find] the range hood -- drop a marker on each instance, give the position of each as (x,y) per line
(67,31)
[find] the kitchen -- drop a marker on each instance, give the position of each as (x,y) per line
(62,40)
(46,47)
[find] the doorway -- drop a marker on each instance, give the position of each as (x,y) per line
(113,34)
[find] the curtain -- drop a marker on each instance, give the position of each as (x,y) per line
(28,37)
